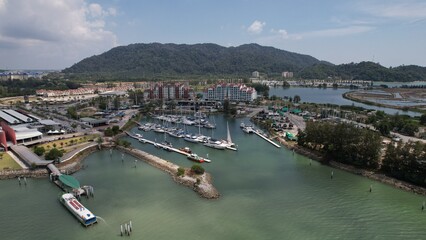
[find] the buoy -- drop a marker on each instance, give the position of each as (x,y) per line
(136,162)
(332,173)
(371,188)
(423,206)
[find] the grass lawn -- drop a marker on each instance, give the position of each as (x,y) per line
(64,143)
(6,162)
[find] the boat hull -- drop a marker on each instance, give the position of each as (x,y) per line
(78,210)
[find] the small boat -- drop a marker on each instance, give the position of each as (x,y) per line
(137,135)
(242,125)
(77,209)
(186,149)
(159,130)
(195,157)
(216,144)
(209,126)
(248,130)
(192,138)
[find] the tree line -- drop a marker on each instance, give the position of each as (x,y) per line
(342,142)
(363,148)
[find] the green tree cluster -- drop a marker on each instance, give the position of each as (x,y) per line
(399,123)
(343,143)
(197,169)
(53,154)
(406,162)
(39,151)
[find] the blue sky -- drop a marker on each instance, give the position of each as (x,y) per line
(41,34)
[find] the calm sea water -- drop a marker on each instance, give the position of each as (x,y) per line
(267,193)
(329,95)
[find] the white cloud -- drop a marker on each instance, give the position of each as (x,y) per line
(407,9)
(52,33)
(256,27)
(337,32)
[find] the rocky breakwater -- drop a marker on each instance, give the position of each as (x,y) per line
(202,184)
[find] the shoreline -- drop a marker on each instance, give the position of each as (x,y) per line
(203,187)
(349,96)
(377,176)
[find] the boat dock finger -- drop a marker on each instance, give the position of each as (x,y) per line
(159,145)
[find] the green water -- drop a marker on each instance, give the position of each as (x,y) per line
(267,193)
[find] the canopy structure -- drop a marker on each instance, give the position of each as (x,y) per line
(69,181)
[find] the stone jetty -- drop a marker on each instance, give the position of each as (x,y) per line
(203,186)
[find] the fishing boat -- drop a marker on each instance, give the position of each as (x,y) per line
(195,157)
(77,209)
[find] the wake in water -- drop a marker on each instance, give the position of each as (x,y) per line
(103,220)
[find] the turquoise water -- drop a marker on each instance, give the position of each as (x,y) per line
(267,193)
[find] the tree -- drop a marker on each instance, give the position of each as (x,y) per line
(39,150)
(72,112)
(423,119)
(197,169)
(180,171)
(108,132)
(53,154)
(117,102)
(296,99)
(115,129)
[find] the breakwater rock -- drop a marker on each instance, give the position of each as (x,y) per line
(202,184)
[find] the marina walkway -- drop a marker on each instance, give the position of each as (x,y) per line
(143,140)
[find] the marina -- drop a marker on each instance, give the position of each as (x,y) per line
(165,147)
(250,129)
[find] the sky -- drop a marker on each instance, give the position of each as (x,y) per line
(54,34)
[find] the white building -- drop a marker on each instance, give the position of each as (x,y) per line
(232,92)
(255,74)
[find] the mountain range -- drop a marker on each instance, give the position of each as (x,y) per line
(162,61)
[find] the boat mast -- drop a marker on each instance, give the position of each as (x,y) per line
(228,133)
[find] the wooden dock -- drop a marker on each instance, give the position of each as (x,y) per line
(267,139)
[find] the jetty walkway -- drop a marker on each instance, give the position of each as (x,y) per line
(144,140)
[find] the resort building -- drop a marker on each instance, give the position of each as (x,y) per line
(168,91)
(287,74)
(232,92)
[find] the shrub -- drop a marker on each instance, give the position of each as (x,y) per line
(197,169)
(39,150)
(180,171)
(53,154)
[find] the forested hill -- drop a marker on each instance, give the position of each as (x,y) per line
(156,60)
(365,71)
